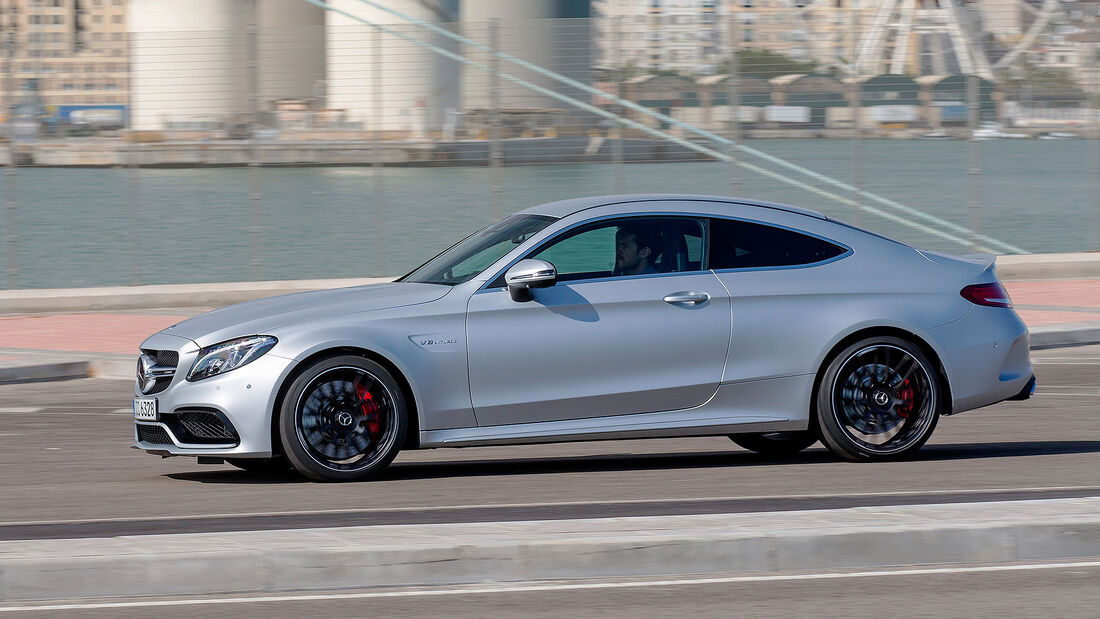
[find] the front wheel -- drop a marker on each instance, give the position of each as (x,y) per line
(777,444)
(343,419)
(878,399)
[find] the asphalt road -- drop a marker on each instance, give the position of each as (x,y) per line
(1065,591)
(66,470)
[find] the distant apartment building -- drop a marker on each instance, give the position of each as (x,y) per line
(1070,43)
(694,36)
(1004,19)
(822,32)
(66,52)
(658,35)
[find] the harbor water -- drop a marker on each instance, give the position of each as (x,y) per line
(76,227)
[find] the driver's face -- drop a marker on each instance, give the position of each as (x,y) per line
(626,252)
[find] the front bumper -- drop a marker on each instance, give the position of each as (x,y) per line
(242,399)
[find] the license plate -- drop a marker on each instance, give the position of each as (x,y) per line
(145,409)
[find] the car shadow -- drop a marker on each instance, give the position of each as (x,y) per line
(566,302)
(644,462)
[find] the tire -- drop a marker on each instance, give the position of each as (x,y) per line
(777,444)
(879,399)
(343,418)
(266,466)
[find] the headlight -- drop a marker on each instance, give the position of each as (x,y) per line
(220,358)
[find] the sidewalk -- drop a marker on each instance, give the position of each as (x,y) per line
(451,554)
(68,344)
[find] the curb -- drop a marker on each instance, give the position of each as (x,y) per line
(1048,266)
(34,300)
(123,369)
(453,554)
(114,368)
(46,300)
(1065,335)
(46,372)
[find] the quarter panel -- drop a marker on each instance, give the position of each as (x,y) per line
(786,320)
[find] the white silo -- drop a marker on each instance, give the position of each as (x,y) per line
(189,59)
(412,85)
(187,63)
(524,32)
(291,50)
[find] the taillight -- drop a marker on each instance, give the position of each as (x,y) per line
(990,295)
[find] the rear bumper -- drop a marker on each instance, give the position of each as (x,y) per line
(986,357)
(1025,393)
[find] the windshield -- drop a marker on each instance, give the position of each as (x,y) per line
(475,253)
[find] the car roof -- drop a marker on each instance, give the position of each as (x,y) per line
(563,208)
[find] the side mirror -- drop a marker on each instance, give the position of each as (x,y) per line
(527,274)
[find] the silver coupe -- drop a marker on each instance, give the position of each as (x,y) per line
(598,318)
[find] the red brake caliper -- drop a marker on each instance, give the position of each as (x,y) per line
(906,395)
(370,411)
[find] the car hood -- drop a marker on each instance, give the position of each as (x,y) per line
(264,315)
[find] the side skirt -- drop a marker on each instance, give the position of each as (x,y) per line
(771,405)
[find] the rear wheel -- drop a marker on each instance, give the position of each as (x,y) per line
(777,444)
(879,399)
(343,419)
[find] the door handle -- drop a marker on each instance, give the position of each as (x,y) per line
(687,297)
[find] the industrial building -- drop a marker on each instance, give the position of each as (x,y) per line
(367,67)
(63,56)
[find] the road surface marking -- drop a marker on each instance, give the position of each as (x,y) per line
(424,508)
(57,413)
(18,410)
(578,586)
(1095,393)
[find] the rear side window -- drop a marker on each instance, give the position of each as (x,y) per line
(742,244)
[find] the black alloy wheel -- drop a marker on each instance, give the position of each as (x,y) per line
(343,419)
(879,399)
(776,444)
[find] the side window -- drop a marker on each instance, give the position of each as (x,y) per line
(588,253)
(742,244)
(626,246)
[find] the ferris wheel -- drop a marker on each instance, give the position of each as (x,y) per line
(903,33)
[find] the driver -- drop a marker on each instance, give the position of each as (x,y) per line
(635,249)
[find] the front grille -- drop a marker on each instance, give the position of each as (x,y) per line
(205,425)
(167,358)
(153,434)
(163,361)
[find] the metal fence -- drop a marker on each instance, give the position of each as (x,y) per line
(349,140)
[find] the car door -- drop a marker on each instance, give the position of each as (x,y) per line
(601,341)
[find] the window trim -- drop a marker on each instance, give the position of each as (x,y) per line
(848,251)
(700,219)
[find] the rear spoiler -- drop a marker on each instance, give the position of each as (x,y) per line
(976,263)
